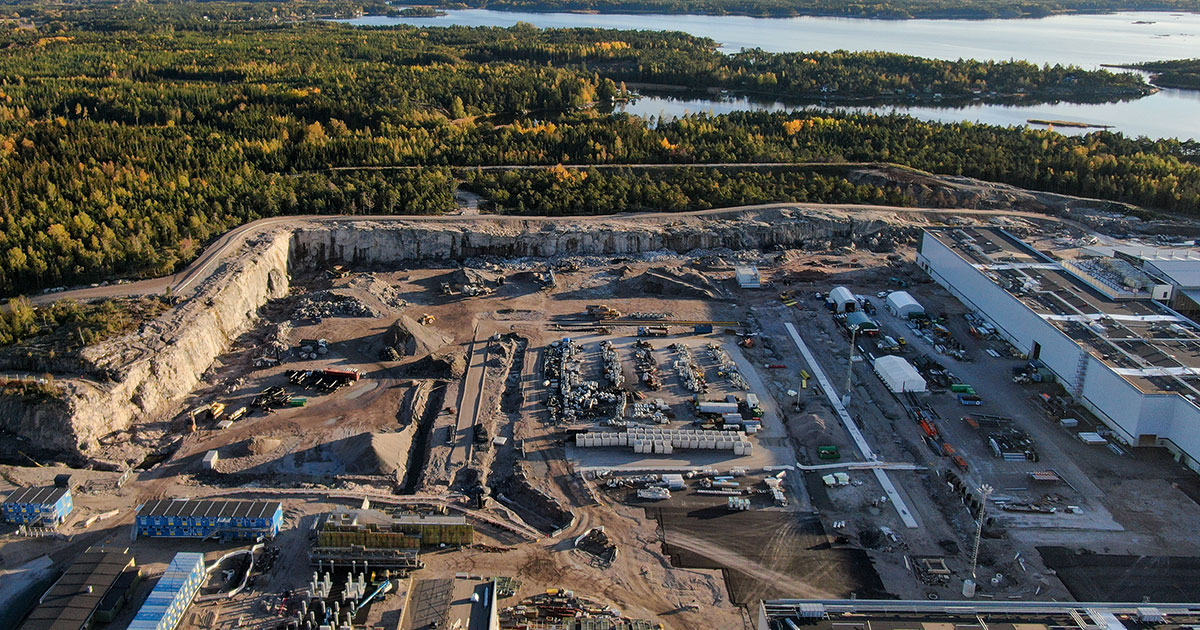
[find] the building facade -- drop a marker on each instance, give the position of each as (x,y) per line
(48,506)
(172,595)
(1133,363)
(183,518)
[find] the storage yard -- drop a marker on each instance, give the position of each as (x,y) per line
(660,439)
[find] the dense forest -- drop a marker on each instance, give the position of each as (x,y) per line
(128,139)
(683,60)
(560,191)
(884,9)
(1180,73)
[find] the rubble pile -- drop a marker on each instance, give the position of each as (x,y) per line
(672,282)
(322,304)
(386,293)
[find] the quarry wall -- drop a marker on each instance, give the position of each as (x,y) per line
(145,375)
(365,243)
(150,371)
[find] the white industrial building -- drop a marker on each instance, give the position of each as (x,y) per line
(843,300)
(902,304)
(1133,361)
(899,375)
(748,277)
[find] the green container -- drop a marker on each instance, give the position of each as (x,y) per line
(828,452)
(297,402)
(962,388)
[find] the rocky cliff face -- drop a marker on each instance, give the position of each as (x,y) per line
(365,243)
(151,370)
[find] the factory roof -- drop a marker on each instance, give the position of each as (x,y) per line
(1145,342)
(69,603)
(218,509)
(1182,272)
(963,617)
(48,495)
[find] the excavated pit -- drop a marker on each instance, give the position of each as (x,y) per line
(148,374)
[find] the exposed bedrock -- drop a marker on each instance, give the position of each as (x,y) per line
(144,374)
(368,244)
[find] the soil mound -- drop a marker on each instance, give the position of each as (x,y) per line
(410,339)
(666,282)
(467,275)
(260,445)
(448,363)
(375,453)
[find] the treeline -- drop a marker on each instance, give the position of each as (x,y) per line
(1180,73)
(565,191)
(167,14)
(126,145)
(883,9)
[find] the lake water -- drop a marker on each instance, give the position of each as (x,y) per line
(1168,114)
(1084,40)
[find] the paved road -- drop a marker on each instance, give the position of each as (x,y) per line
(469,401)
(186,281)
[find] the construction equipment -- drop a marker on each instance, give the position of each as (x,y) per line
(215,410)
(426,319)
(602,311)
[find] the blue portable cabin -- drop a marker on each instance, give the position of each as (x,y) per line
(185,518)
(173,594)
(48,506)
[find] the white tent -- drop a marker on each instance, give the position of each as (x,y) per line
(903,305)
(843,300)
(899,375)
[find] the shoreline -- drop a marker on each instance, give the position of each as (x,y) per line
(665,11)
